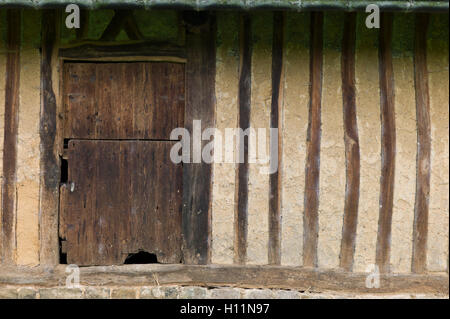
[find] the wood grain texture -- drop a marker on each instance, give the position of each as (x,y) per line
(423,168)
(351,139)
(297,278)
(311,214)
(49,162)
(274,252)
(122,197)
(92,50)
(388,144)
(139,100)
(244,101)
(11,126)
(200,105)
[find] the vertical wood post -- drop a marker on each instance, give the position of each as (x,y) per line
(200,105)
(49,162)
(388,142)
(9,196)
(351,140)
(274,253)
(311,215)
(423,168)
(244,101)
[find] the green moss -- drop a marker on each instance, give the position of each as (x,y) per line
(3,26)
(228,32)
(158,25)
(155,25)
(297,30)
(333,30)
(438,33)
(403,35)
(31,30)
(262,28)
(98,21)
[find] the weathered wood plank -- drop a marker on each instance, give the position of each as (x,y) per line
(107,123)
(200,105)
(80,105)
(13,39)
(297,278)
(49,162)
(423,169)
(125,196)
(388,143)
(244,102)
(351,140)
(92,50)
(139,100)
(312,170)
(274,253)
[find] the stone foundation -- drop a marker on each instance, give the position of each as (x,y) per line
(189,292)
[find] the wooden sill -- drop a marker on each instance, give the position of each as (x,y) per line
(282,277)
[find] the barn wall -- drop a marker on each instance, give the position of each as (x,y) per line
(332,157)
(439,100)
(294,114)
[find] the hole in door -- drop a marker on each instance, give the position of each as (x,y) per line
(141,257)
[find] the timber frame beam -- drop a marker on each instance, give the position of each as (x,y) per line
(9,194)
(249,276)
(99,50)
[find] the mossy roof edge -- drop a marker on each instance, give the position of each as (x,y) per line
(295,5)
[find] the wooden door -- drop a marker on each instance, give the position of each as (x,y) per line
(123,194)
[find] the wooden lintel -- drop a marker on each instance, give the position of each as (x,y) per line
(93,50)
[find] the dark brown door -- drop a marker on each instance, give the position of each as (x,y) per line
(123,193)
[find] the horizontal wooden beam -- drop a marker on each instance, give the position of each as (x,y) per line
(302,279)
(94,49)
